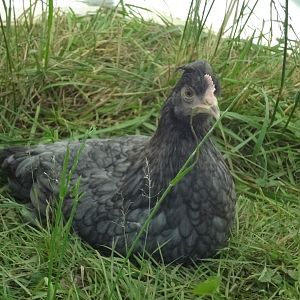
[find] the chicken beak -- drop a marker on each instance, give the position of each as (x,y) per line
(209,103)
(204,108)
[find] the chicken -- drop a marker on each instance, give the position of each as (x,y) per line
(122,178)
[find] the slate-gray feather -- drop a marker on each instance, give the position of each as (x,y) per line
(122,178)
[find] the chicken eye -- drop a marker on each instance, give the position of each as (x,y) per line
(187,94)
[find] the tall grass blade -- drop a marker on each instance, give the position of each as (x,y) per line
(297,101)
(264,127)
(179,176)
(49,33)
(284,62)
(6,33)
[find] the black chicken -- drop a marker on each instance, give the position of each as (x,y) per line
(122,178)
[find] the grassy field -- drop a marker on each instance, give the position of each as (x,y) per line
(69,76)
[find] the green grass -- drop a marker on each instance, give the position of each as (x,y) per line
(69,76)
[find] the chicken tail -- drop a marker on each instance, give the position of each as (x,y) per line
(30,177)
